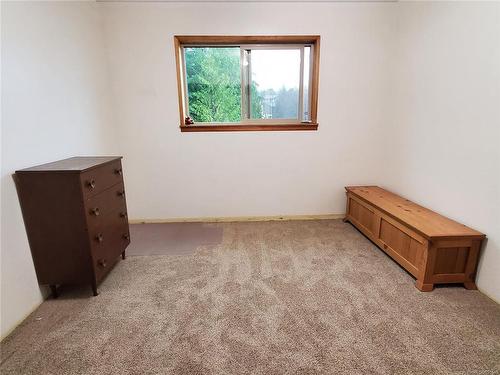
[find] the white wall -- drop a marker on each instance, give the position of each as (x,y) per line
(54,105)
(444,146)
(408,99)
(408,96)
(172,174)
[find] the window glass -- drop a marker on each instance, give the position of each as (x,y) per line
(213,80)
(275,82)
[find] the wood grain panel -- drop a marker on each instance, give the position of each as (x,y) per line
(394,238)
(361,214)
(462,257)
(451,260)
(414,252)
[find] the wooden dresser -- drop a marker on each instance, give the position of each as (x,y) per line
(75,216)
(431,247)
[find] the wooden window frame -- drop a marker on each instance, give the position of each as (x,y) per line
(314,40)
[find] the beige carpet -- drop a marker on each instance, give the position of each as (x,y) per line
(312,297)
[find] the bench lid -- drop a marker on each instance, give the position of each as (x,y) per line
(428,223)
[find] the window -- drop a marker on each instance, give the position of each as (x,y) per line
(235,83)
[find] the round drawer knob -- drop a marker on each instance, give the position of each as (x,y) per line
(118,171)
(102,262)
(99,237)
(123,214)
(121,193)
(91,184)
(95,211)
(126,236)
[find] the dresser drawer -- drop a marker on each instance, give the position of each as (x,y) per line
(108,242)
(97,226)
(99,206)
(101,178)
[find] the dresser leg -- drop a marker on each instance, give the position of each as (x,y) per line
(94,289)
(123,255)
(53,290)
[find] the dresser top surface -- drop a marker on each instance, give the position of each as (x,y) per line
(74,164)
(429,223)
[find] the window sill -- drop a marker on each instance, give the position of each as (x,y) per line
(238,128)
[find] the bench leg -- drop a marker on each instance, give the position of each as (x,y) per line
(94,289)
(420,285)
(470,285)
(425,269)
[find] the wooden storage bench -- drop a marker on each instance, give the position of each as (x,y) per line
(431,247)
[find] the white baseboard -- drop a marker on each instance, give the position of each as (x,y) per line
(229,219)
